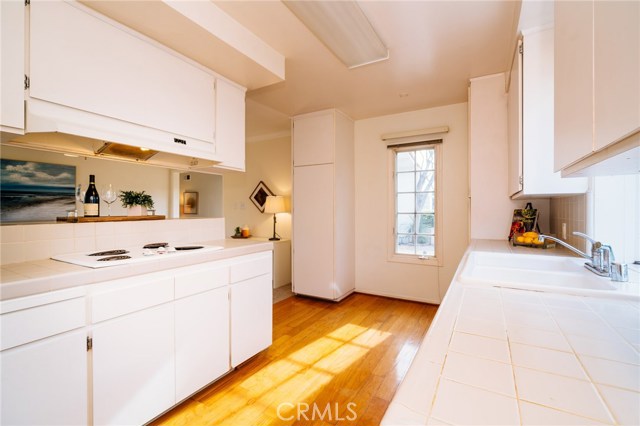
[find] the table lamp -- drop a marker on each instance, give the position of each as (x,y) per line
(275,205)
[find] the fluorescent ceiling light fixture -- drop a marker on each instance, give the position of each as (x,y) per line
(343,27)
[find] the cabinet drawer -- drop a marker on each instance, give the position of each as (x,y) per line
(251,266)
(28,325)
(199,281)
(126,299)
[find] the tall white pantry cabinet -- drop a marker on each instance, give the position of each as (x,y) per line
(323,205)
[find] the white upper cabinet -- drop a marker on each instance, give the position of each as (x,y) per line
(597,64)
(323,207)
(230,132)
(531,121)
(616,67)
(514,121)
(81,60)
(314,139)
(12,32)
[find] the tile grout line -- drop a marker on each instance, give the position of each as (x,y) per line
(584,370)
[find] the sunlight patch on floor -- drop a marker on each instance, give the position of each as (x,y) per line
(296,378)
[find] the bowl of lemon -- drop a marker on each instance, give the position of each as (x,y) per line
(531,239)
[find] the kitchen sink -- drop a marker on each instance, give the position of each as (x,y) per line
(534,272)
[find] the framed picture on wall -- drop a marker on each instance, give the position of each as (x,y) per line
(32,191)
(190,205)
(259,196)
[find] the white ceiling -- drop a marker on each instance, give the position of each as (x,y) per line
(435,47)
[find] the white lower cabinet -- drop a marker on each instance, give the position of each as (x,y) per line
(202,340)
(155,339)
(45,382)
(251,306)
(134,367)
(43,363)
(251,318)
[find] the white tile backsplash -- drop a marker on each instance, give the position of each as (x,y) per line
(12,252)
(572,211)
(23,243)
(12,233)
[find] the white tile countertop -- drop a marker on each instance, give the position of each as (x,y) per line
(41,276)
(497,355)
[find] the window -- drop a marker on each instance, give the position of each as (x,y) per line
(415,202)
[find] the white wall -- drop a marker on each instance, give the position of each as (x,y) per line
(123,176)
(491,207)
(374,273)
(268,161)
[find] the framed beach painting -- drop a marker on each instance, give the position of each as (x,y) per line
(35,192)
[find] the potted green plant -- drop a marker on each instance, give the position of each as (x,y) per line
(137,203)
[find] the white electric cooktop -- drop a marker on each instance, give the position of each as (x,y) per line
(127,256)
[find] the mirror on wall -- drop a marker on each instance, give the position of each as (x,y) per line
(166,186)
(200,195)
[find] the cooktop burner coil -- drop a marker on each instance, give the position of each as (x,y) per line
(155,245)
(112,258)
(108,253)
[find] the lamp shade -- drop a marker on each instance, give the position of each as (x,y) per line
(274,204)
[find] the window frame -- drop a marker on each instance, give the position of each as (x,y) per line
(392,256)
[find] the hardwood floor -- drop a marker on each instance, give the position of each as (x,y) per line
(330,364)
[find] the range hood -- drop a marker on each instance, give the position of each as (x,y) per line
(55,128)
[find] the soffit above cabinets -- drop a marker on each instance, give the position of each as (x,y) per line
(203,32)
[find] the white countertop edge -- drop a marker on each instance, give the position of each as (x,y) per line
(46,275)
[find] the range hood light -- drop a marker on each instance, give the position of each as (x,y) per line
(71,155)
(125,151)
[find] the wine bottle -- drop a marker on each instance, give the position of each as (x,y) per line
(92,199)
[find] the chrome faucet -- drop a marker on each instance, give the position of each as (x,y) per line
(601,258)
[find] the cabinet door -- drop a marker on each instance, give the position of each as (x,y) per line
(12,65)
(616,70)
(45,382)
(81,59)
(515,123)
(134,367)
(202,340)
(230,114)
(313,139)
(313,229)
(573,82)
(251,317)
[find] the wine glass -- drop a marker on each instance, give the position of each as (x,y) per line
(79,195)
(109,195)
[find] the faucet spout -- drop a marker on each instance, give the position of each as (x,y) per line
(570,247)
